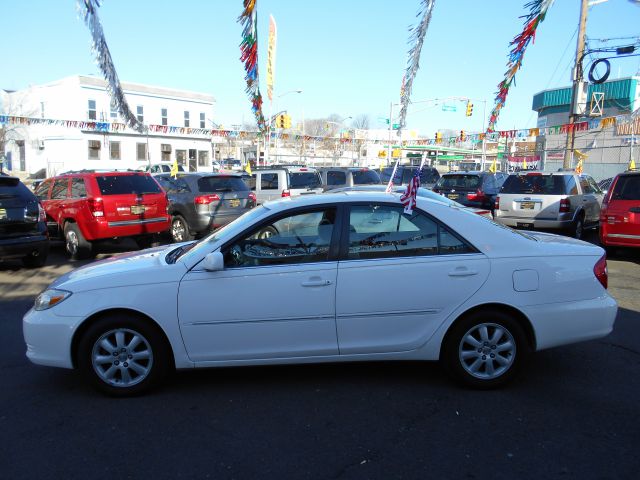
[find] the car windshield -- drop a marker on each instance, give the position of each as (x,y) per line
(462,182)
(304,180)
(538,184)
(206,243)
(365,177)
(627,188)
(127,184)
(221,184)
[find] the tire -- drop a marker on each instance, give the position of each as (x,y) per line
(578,228)
(468,348)
(180,230)
(109,362)
(76,245)
(267,232)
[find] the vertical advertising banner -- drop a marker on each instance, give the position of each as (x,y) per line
(271,57)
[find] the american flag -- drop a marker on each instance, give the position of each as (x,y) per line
(408,198)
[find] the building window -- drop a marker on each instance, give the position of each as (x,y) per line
(114,150)
(114,112)
(94,149)
(186,118)
(202,120)
(165,152)
(203,158)
(181,157)
(91,114)
(141,152)
(140,115)
(163,114)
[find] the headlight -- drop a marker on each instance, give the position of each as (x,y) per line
(49,298)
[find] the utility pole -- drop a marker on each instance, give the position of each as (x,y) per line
(578,87)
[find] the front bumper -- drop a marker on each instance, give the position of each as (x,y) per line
(48,337)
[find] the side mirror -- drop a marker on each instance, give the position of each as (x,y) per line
(213,262)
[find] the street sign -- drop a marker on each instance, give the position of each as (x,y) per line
(449,108)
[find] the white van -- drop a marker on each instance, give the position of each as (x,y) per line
(277,182)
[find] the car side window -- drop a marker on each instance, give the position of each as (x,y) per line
(382,231)
(336,178)
(42,192)
(489,184)
(78,189)
(572,187)
(300,238)
(585,186)
(269,181)
(594,185)
(59,190)
(251,182)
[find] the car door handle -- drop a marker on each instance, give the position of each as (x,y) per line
(316,283)
(463,272)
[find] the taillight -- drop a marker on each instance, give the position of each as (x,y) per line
(285,193)
(42,215)
(565,205)
(206,199)
(96,206)
(496,205)
(600,271)
(476,197)
(252,197)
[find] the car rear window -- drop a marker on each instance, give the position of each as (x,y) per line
(462,182)
(627,188)
(538,184)
(221,184)
(127,184)
(11,187)
(429,175)
(304,180)
(365,177)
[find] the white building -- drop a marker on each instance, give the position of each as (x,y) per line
(94,136)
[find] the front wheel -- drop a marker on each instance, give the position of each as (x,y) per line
(484,349)
(578,228)
(123,355)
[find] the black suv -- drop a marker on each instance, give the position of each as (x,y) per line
(202,202)
(428,175)
(472,189)
(23,224)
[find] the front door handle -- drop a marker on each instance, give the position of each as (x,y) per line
(463,272)
(316,283)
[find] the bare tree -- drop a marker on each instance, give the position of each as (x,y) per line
(361,122)
(12,134)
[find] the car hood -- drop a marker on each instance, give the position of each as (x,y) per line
(144,267)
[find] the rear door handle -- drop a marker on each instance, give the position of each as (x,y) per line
(462,273)
(316,283)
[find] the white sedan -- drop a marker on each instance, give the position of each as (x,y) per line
(326,278)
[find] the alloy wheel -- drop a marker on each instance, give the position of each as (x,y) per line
(122,357)
(487,351)
(178,230)
(72,242)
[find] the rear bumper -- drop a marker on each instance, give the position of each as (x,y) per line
(570,322)
(206,222)
(22,246)
(618,239)
(533,222)
(99,229)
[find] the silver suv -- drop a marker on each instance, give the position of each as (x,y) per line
(276,182)
(562,201)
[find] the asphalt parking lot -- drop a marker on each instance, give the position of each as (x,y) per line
(572,414)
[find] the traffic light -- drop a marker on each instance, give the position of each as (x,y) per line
(287,121)
(281,121)
(469,109)
(438,137)
(463,136)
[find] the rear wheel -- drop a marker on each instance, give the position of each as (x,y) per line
(180,230)
(123,355)
(484,349)
(578,227)
(76,245)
